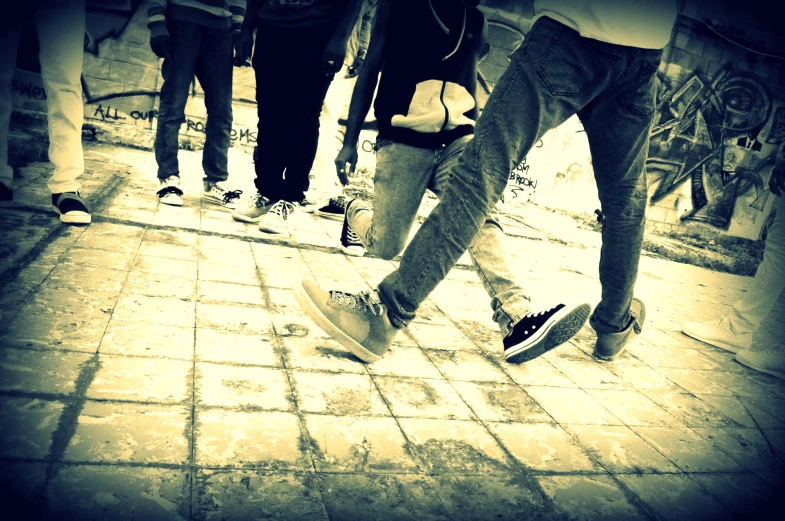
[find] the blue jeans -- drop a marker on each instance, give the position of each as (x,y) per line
(402,175)
(207,53)
(553,75)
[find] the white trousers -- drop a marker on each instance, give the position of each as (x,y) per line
(324,179)
(747,314)
(60,25)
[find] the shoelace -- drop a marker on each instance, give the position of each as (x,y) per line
(282,209)
(169,190)
(338,202)
(352,236)
(231,195)
(260,200)
(363,302)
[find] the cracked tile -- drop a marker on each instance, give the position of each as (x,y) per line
(341,394)
(589,497)
(543,446)
(245,494)
(124,432)
(152,380)
(422,398)
(455,446)
(244,439)
(351,444)
(230,386)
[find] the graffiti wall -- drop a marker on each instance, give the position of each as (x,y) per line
(714,140)
(121,77)
(713,149)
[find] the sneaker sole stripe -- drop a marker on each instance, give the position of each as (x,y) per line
(559,332)
(355,251)
(73,217)
(328,327)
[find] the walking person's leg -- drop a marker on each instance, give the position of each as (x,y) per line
(552,75)
(524,337)
(618,125)
(214,71)
(402,175)
(764,290)
(768,283)
(178,72)
(60,25)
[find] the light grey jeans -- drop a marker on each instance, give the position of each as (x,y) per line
(403,173)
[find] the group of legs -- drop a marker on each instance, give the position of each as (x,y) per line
(612,90)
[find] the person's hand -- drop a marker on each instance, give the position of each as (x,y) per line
(334,54)
(160,45)
(345,163)
(777,180)
(354,70)
(243,46)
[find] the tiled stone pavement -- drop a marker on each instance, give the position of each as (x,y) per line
(155,365)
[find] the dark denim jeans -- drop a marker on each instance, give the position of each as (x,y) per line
(555,74)
(207,53)
(290,90)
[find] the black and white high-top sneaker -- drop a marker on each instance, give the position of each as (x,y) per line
(538,333)
(350,241)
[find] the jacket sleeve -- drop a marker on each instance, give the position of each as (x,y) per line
(238,9)
(156,18)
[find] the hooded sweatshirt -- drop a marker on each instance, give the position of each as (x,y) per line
(220,14)
(430,63)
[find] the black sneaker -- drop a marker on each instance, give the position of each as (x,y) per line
(350,241)
(6,194)
(71,208)
(334,209)
(538,333)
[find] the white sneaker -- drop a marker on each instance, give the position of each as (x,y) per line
(254,211)
(718,333)
(769,362)
(218,194)
(169,192)
(278,218)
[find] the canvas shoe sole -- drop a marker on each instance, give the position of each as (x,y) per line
(172,200)
(73,217)
(561,327)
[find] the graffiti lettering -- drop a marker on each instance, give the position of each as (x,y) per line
(28,90)
(245,135)
(144,116)
(107,114)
